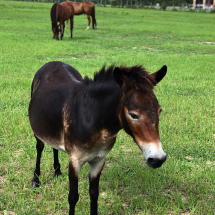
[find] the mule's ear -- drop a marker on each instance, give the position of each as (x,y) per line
(124,82)
(118,76)
(159,75)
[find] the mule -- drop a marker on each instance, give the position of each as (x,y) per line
(60,12)
(82,116)
(87,8)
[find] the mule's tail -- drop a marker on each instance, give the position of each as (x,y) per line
(93,14)
(53,18)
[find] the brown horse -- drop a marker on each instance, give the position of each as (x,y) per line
(87,8)
(82,118)
(60,12)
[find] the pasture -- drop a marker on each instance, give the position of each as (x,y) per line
(185,42)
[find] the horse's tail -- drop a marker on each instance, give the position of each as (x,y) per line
(93,14)
(53,17)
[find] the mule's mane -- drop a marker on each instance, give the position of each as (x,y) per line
(137,74)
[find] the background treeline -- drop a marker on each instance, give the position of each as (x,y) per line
(174,5)
(153,4)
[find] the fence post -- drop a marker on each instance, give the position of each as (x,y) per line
(203,4)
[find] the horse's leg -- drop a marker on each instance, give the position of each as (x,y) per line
(88,27)
(35,180)
(71,26)
(94,176)
(73,181)
(62,31)
(95,23)
(56,163)
(67,24)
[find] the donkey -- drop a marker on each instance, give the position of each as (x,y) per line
(82,116)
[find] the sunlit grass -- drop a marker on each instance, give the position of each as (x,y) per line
(182,41)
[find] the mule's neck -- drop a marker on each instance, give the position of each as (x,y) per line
(96,107)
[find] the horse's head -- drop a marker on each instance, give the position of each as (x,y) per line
(55,32)
(139,110)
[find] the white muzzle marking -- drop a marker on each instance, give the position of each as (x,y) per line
(152,150)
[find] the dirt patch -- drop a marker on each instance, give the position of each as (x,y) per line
(17,153)
(8,212)
(3,180)
(189,158)
(210,162)
(90,55)
(181,212)
(209,43)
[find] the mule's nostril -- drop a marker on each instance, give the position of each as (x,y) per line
(150,160)
(156,162)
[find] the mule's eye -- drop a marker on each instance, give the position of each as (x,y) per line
(134,116)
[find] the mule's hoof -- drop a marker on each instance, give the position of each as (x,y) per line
(58,173)
(87,28)
(35,185)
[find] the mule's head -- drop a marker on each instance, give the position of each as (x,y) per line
(139,110)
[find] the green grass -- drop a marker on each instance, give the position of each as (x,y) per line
(186,181)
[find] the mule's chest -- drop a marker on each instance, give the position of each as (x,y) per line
(99,148)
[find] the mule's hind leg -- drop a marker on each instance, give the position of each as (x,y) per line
(88,27)
(35,180)
(94,176)
(56,163)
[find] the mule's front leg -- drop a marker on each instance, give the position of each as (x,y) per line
(73,181)
(94,176)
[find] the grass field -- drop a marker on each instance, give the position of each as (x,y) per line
(185,42)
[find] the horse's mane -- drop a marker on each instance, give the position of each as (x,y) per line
(137,74)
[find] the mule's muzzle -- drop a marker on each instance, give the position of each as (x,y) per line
(155,162)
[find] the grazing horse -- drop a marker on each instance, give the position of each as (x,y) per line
(82,117)
(87,8)
(60,12)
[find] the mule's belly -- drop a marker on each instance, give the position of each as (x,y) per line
(54,143)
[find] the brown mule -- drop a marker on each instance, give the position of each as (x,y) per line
(82,118)
(60,12)
(87,8)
